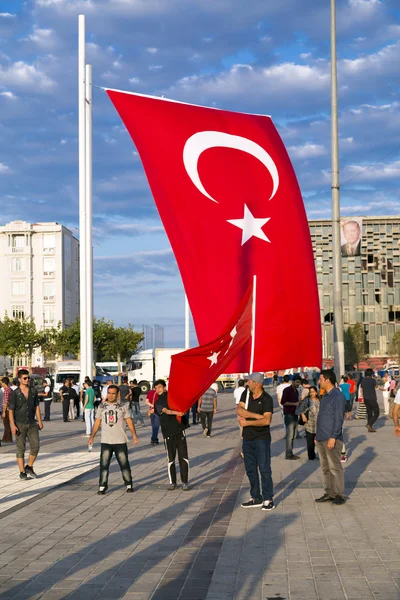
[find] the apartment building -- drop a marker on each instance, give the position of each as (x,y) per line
(39,268)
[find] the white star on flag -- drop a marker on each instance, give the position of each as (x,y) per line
(250,226)
(213,358)
(233,334)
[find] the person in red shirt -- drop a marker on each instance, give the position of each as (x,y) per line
(154,418)
(353,387)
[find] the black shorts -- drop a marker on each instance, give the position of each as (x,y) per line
(347,407)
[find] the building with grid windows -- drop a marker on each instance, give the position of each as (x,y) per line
(39,268)
(371,278)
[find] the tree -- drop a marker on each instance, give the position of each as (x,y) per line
(18,337)
(122,344)
(355,344)
(67,341)
(394,348)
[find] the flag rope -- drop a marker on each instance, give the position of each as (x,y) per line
(253,324)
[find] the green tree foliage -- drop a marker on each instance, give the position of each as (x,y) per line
(19,337)
(355,344)
(394,348)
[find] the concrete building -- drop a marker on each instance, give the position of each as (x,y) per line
(39,268)
(371,278)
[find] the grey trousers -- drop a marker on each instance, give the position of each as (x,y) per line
(332,469)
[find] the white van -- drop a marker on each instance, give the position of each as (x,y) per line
(65,370)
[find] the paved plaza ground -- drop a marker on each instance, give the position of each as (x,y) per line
(58,539)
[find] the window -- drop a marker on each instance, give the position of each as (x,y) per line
(49,266)
(18,241)
(18,288)
(17,264)
(18,311)
(48,314)
(49,243)
(49,291)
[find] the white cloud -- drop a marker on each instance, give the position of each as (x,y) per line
(152,50)
(134,80)
(8,95)
(307,150)
(44,38)
(4,168)
(25,76)
(377,172)
(7,15)
(155,67)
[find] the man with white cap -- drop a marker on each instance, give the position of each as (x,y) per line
(254,413)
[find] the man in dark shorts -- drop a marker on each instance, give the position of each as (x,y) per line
(25,421)
(255,415)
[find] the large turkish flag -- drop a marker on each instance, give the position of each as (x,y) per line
(231,206)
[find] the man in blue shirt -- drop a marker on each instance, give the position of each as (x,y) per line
(329,438)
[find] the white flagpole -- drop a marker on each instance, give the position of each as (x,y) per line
(187,319)
(89,219)
(253,324)
(82,195)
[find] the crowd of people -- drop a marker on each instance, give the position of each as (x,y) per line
(319,410)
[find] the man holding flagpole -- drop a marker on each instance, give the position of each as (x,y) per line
(255,414)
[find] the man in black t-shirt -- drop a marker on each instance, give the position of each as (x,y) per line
(124,391)
(368,386)
(255,414)
(174,436)
(66,396)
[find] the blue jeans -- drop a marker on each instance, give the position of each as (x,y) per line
(121,454)
(291,427)
(155,426)
(136,414)
(257,459)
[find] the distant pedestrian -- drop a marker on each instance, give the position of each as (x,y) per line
(369,385)
(353,388)
(154,418)
(65,393)
(174,437)
(385,389)
(310,409)
(361,412)
(135,402)
(112,416)
(396,414)
(279,391)
(124,391)
(47,399)
(89,407)
(290,401)
(7,435)
(105,389)
(275,379)
(255,414)
(207,408)
(345,389)
(329,438)
(76,398)
(25,421)
(237,394)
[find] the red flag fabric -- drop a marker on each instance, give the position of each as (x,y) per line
(231,206)
(193,371)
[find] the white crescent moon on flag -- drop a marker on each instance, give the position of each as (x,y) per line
(203,140)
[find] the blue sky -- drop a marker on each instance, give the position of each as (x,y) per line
(263,57)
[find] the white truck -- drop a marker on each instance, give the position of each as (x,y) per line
(148,365)
(65,369)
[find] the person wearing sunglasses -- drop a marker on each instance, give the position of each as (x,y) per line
(25,421)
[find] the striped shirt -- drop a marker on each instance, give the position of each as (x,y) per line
(207,400)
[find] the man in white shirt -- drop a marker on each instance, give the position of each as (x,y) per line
(279,392)
(385,389)
(105,388)
(237,394)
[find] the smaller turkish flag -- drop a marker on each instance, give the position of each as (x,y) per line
(193,371)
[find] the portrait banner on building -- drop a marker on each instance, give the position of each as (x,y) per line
(351,236)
